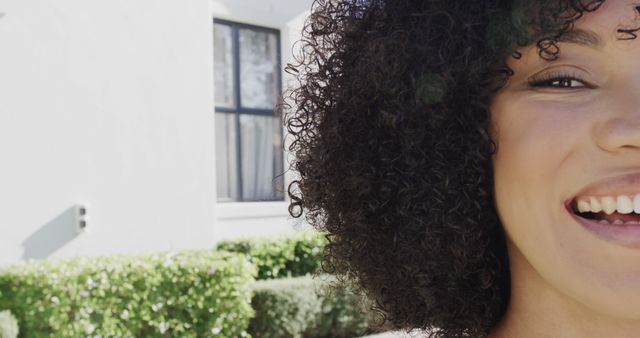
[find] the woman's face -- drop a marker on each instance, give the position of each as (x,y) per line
(569,131)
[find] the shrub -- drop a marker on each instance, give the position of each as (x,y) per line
(8,325)
(290,255)
(187,294)
(302,307)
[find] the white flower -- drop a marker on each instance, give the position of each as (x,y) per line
(163,327)
(55,300)
(216,330)
(90,328)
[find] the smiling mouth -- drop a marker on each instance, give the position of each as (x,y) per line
(610,208)
(612,219)
(617,210)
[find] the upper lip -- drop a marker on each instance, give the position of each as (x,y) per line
(625,184)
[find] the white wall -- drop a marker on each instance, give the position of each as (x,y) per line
(110,103)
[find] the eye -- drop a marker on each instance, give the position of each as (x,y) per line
(558,80)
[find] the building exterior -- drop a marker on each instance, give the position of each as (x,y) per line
(129,126)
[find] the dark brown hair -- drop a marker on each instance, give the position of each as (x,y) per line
(389,127)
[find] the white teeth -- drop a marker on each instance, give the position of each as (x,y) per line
(584,206)
(625,206)
(636,204)
(608,205)
(597,207)
(618,222)
(603,221)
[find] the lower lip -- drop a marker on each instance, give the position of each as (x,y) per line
(622,234)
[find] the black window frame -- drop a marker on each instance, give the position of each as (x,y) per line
(237,99)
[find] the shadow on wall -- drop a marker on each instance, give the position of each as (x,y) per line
(51,236)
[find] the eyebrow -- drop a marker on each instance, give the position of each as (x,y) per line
(581,36)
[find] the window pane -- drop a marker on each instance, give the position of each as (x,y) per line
(226,158)
(223,65)
(258,69)
(261,145)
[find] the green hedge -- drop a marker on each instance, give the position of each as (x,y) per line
(8,325)
(187,294)
(290,255)
(302,307)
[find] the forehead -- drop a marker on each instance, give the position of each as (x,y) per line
(614,20)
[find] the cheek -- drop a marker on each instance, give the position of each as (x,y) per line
(535,147)
(544,152)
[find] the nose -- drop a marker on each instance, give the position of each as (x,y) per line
(619,134)
(621,130)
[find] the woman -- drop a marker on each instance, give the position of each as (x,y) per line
(475,163)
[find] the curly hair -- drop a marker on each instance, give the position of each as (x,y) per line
(390,131)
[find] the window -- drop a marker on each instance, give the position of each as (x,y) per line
(249,155)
